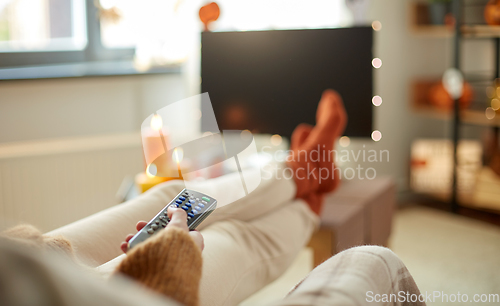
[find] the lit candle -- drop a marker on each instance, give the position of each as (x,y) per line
(155,143)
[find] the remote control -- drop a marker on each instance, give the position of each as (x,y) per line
(197,205)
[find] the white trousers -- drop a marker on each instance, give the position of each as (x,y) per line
(248,243)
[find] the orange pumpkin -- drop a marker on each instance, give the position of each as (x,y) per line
(209,13)
(492,12)
(439,97)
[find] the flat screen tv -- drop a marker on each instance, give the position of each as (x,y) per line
(270,81)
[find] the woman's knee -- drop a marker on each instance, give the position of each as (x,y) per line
(384,253)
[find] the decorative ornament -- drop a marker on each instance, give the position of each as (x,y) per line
(492,12)
(209,13)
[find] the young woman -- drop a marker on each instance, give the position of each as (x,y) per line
(240,248)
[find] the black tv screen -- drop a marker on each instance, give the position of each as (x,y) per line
(270,81)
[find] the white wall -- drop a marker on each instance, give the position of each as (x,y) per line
(39,109)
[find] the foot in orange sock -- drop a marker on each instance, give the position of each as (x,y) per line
(312,151)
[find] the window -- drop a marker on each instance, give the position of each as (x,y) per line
(152,33)
(47,32)
(161,31)
(41,25)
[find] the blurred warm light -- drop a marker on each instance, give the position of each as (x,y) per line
(151,170)
(196,114)
(260,160)
(156,122)
(140,65)
(377,63)
(498,92)
(107,4)
(495,104)
(344,141)
(377,25)
(376,135)
(245,134)
(377,100)
(490,113)
(236,114)
(276,140)
(490,92)
(178,155)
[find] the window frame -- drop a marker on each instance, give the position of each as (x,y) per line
(94,51)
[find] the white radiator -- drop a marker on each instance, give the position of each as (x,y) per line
(55,182)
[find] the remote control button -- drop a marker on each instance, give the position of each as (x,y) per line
(188,205)
(201,205)
(165,213)
(164,225)
(178,201)
(154,226)
(197,199)
(150,231)
(204,202)
(206,199)
(192,201)
(191,197)
(182,198)
(190,215)
(162,218)
(185,208)
(197,208)
(157,221)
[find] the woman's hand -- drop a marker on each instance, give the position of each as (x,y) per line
(178,219)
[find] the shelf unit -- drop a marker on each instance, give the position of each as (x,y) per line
(467,116)
(467,31)
(459,117)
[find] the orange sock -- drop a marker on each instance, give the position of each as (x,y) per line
(315,202)
(312,149)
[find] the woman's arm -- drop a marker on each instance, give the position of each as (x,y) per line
(170,262)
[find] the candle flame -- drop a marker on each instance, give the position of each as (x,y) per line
(178,155)
(156,122)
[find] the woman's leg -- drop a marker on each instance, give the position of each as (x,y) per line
(272,193)
(358,276)
(241,257)
(96,239)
